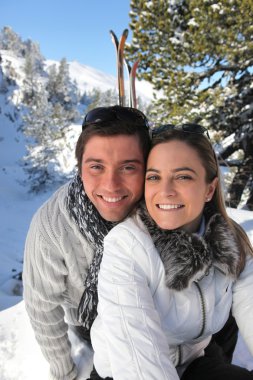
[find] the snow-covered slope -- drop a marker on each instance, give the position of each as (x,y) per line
(88,78)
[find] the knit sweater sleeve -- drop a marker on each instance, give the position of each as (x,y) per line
(44,277)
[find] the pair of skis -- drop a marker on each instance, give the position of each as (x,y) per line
(120,60)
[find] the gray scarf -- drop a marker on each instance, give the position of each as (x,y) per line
(94,228)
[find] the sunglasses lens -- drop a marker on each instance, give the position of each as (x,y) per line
(162,128)
(130,115)
(189,127)
(104,114)
(97,115)
(193,128)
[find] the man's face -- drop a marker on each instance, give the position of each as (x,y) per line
(113,174)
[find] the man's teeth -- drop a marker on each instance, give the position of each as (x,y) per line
(169,207)
(112,200)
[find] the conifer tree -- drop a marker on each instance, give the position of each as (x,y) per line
(10,40)
(46,126)
(200,55)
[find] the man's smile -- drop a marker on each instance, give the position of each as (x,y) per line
(111,199)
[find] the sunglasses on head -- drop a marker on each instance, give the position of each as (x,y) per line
(107,114)
(188,127)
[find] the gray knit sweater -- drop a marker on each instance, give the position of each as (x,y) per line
(56,260)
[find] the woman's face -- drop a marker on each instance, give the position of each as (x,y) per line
(175,186)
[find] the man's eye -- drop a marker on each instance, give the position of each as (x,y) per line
(96,167)
(129,168)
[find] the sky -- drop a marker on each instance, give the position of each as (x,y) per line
(75,30)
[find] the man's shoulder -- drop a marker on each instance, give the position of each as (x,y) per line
(57,199)
(54,210)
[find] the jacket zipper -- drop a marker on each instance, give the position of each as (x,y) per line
(203,309)
(179,355)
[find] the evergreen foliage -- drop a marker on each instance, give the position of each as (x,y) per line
(52,109)
(200,55)
(49,105)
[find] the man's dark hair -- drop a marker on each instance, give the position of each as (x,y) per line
(112,128)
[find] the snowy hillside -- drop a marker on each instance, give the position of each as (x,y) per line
(88,78)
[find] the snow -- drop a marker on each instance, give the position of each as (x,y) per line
(20,355)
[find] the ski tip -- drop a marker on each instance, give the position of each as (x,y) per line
(125,33)
(112,33)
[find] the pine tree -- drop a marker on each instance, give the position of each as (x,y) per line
(32,49)
(9,40)
(62,90)
(200,55)
(40,149)
(46,126)
(51,110)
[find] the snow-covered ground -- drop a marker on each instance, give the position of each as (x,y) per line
(20,356)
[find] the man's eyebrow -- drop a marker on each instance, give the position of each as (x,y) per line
(91,159)
(184,168)
(133,160)
(98,160)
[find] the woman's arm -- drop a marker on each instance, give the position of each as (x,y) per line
(129,274)
(243,303)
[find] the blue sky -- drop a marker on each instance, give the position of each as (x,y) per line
(74,29)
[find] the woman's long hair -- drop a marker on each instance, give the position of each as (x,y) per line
(204,149)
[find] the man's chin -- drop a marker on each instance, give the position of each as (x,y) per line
(114,215)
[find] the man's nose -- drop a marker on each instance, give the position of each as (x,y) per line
(112,181)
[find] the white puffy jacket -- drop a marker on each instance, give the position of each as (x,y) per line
(145,330)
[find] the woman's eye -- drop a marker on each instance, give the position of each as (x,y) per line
(184,177)
(152,178)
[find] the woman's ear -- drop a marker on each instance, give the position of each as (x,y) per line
(211,189)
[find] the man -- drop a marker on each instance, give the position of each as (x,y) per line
(65,240)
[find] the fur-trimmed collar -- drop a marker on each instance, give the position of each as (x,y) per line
(188,257)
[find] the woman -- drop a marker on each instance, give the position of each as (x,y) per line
(171,273)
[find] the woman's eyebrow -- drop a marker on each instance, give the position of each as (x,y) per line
(152,170)
(184,168)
